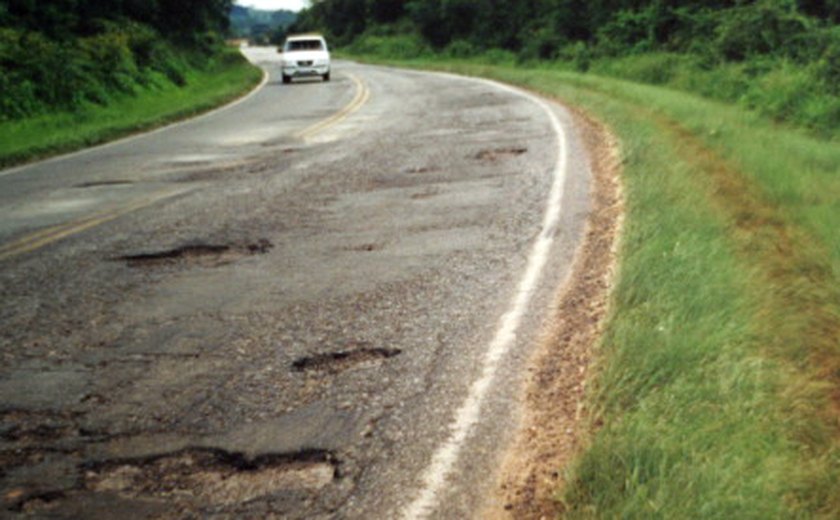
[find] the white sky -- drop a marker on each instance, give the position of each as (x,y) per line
(274,5)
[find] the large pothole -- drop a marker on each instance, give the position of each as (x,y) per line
(207,255)
(99,184)
(497,154)
(335,362)
(213,477)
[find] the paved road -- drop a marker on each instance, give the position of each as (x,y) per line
(317,303)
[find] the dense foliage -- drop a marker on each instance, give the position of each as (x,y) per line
(781,57)
(60,54)
(543,27)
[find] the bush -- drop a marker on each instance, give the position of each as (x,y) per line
(578,55)
(400,47)
(460,49)
(629,32)
(543,44)
(767,27)
(498,57)
(828,66)
(40,74)
(653,68)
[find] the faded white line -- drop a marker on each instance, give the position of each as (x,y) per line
(448,453)
(18,169)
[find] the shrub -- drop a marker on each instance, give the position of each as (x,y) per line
(654,68)
(762,28)
(407,46)
(542,44)
(498,57)
(460,49)
(828,65)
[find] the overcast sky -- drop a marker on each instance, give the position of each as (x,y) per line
(274,5)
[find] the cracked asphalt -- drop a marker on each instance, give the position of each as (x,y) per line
(239,318)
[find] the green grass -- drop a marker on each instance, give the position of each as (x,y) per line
(159,103)
(714,380)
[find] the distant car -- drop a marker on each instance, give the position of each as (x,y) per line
(305,55)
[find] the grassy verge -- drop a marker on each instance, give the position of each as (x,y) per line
(716,391)
(159,103)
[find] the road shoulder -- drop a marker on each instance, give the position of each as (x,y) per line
(554,426)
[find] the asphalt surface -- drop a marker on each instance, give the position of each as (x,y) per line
(277,310)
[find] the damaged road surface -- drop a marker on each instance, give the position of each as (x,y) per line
(285,309)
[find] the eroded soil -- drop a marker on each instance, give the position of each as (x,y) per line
(553,429)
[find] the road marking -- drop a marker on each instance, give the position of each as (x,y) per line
(362,96)
(446,455)
(52,234)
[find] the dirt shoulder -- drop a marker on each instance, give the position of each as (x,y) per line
(553,429)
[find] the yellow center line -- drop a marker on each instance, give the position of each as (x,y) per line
(52,234)
(361,97)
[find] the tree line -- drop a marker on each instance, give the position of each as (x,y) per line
(541,29)
(180,20)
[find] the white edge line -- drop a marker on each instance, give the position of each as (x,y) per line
(447,454)
(123,140)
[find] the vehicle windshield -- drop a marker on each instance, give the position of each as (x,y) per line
(304,45)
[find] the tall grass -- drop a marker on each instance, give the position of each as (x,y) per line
(713,390)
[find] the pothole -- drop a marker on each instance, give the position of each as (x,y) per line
(213,477)
(96,184)
(497,154)
(207,255)
(336,362)
(32,427)
(425,194)
(365,248)
(419,169)
(19,501)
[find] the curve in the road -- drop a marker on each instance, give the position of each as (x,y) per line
(358,101)
(446,455)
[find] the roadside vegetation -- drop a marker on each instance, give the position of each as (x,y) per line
(259,26)
(717,387)
(77,73)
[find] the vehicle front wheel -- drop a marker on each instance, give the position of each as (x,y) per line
(327,76)
(287,79)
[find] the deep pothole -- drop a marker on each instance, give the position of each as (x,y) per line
(208,255)
(213,476)
(497,154)
(336,362)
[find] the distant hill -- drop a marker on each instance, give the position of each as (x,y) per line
(259,25)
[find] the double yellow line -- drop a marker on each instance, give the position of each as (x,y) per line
(361,97)
(52,234)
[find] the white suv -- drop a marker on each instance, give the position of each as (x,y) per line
(305,55)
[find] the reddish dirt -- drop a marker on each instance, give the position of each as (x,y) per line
(552,430)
